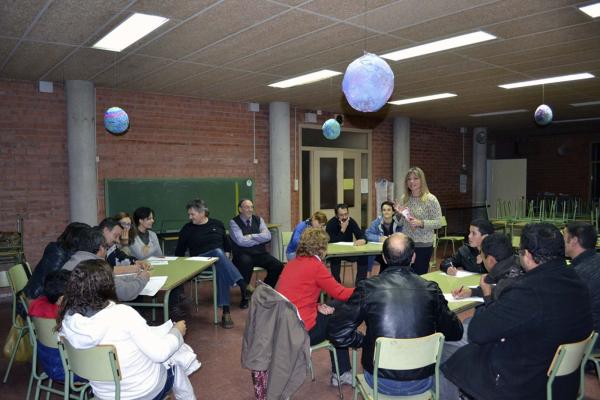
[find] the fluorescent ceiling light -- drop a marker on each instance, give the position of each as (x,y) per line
(545,81)
(440,45)
(564,121)
(130,31)
(587,103)
(304,79)
(593,10)
(422,98)
(490,114)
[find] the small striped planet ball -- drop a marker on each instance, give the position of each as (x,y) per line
(116,121)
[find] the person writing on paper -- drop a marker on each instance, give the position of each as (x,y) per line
(502,266)
(317,220)
(120,262)
(301,282)
(468,257)
(92,246)
(89,316)
(343,228)
(420,215)
(206,237)
(381,228)
(145,244)
(396,304)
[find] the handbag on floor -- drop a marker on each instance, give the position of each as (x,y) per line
(24,349)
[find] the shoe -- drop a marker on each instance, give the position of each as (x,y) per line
(226,321)
(345,379)
(244,303)
(250,289)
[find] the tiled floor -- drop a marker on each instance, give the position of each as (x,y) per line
(221,376)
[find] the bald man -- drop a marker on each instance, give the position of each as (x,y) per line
(399,304)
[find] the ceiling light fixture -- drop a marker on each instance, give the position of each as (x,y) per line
(130,31)
(490,114)
(593,10)
(587,103)
(440,45)
(304,79)
(422,98)
(564,121)
(546,81)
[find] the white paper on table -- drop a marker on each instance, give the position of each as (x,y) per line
(200,258)
(159,262)
(450,298)
(166,258)
(344,243)
(153,285)
(375,243)
(461,273)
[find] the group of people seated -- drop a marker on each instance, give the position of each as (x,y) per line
(533,301)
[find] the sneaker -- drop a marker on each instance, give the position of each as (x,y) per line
(250,289)
(345,379)
(226,321)
(244,303)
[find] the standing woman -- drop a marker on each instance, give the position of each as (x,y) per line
(145,244)
(420,214)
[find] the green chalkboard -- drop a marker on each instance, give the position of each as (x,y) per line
(168,197)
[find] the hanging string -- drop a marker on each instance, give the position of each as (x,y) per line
(365,26)
(543,95)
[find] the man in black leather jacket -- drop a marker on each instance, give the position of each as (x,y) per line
(397,304)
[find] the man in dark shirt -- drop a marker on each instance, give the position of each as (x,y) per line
(468,257)
(343,228)
(580,245)
(206,237)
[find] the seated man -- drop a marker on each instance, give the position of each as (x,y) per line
(513,339)
(92,246)
(580,245)
(206,237)
(468,256)
(249,236)
(116,258)
(502,265)
(397,304)
(316,220)
(343,228)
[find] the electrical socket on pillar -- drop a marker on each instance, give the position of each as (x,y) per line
(295,185)
(255,161)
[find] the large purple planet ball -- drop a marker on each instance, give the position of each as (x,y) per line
(368,83)
(331,129)
(543,115)
(116,121)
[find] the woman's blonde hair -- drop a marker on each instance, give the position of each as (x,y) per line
(313,242)
(320,217)
(424,189)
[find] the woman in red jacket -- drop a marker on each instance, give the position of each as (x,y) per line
(301,282)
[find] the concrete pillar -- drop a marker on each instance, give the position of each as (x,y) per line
(401,153)
(279,171)
(81,141)
(479,170)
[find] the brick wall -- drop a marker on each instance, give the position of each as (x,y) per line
(172,136)
(555,163)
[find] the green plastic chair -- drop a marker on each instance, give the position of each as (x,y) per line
(445,238)
(42,330)
(17,279)
(286,237)
(99,363)
(567,359)
(326,344)
(208,275)
(401,354)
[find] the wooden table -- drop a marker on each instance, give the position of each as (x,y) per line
(178,272)
(447,283)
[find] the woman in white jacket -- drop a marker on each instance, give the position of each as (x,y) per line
(89,317)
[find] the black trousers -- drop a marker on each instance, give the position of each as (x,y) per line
(423,256)
(246,262)
(319,333)
(361,267)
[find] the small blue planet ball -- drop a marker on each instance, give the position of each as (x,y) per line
(543,115)
(331,129)
(368,83)
(116,121)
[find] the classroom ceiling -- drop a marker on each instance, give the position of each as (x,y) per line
(231,50)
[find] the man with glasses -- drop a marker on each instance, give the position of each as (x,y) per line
(513,339)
